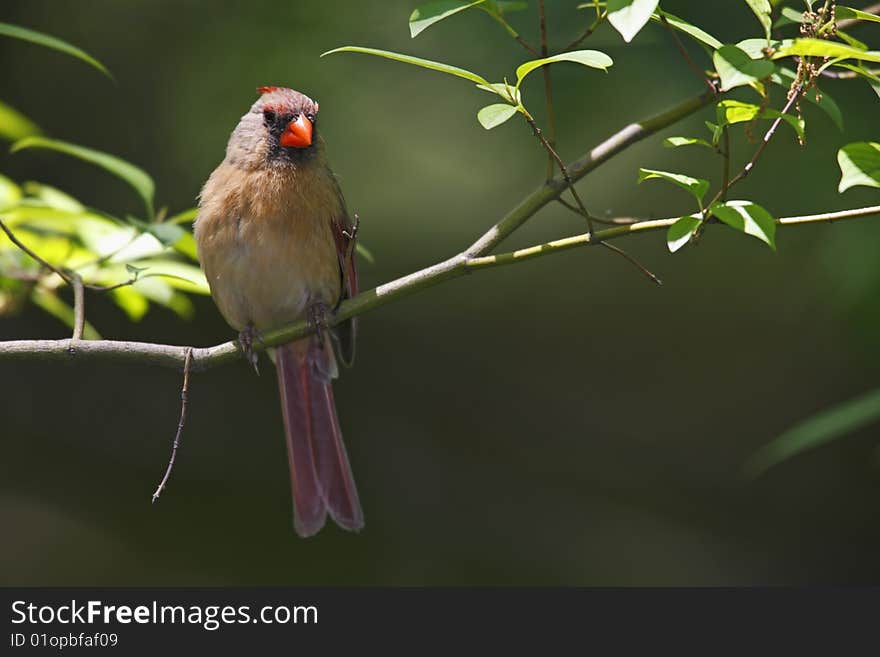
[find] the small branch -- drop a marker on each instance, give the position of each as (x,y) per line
(686,55)
(525,44)
(548,89)
(638,265)
(725,166)
(79,307)
(795,95)
(48,265)
(562,168)
(187,365)
(587,31)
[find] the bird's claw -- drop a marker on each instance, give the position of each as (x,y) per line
(246,340)
(317,318)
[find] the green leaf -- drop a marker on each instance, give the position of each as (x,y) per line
(697,187)
(691,30)
(736,68)
(748,218)
(681,231)
(47,41)
(822,48)
(508,6)
(817,430)
(184,217)
(755,48)
(859,165)
(187,246)
(53,198)
(14,125)
(132,302)
(729,112)
(179,275)
(629,16)
(494,115)
(365,253)
(675,142)
(10,193)
(789,16)
(415,61)
(842,13)
(426,15)
(52,304)
(136,177)
(784,77)
(591,58)
(851,40)
(762,10)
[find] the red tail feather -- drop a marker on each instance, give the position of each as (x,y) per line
(320,474)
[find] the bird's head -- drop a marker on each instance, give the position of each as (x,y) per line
(280,129)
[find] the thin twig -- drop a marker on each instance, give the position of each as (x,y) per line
(525,44)
(638,265)
(562,168)
(548,88)
(48,265)
(79,307)
(725,166)
(587,32)
(598,220)
(795,95)
(187,365)
(686,55)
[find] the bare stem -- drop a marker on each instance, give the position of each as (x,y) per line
(686,55)
(548,88)
(79,307)
(175,445)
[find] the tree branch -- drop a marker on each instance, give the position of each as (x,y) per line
(203,358)
(209,357)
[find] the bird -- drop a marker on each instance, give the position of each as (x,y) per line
(276,244)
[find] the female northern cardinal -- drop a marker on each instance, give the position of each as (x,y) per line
(276,244)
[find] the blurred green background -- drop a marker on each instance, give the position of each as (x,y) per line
(558,422)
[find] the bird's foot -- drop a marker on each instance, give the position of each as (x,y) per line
(246,340)
(318,322)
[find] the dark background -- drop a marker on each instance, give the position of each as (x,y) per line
(559,422)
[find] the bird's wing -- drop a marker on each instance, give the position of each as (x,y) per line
(345,235)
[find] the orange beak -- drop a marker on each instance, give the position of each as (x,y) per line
(298,134)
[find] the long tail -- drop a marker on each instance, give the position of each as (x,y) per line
(319,471)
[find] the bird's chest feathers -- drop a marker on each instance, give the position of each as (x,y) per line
(266,243)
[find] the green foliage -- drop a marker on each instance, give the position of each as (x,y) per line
(859,165)
(730,112)
(843,13)
(54,43)
(736,68)
(415,61)
(591,58)
(681,232)
(425,16)
(137,178)
(629,16)
(748,218)
(494,115)
(14,125)
(762,11)
(817,430)
(696,187)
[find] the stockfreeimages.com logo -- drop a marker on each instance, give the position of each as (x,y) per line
(210,617)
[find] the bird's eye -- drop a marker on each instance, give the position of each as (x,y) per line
(269,115)
(310,116)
